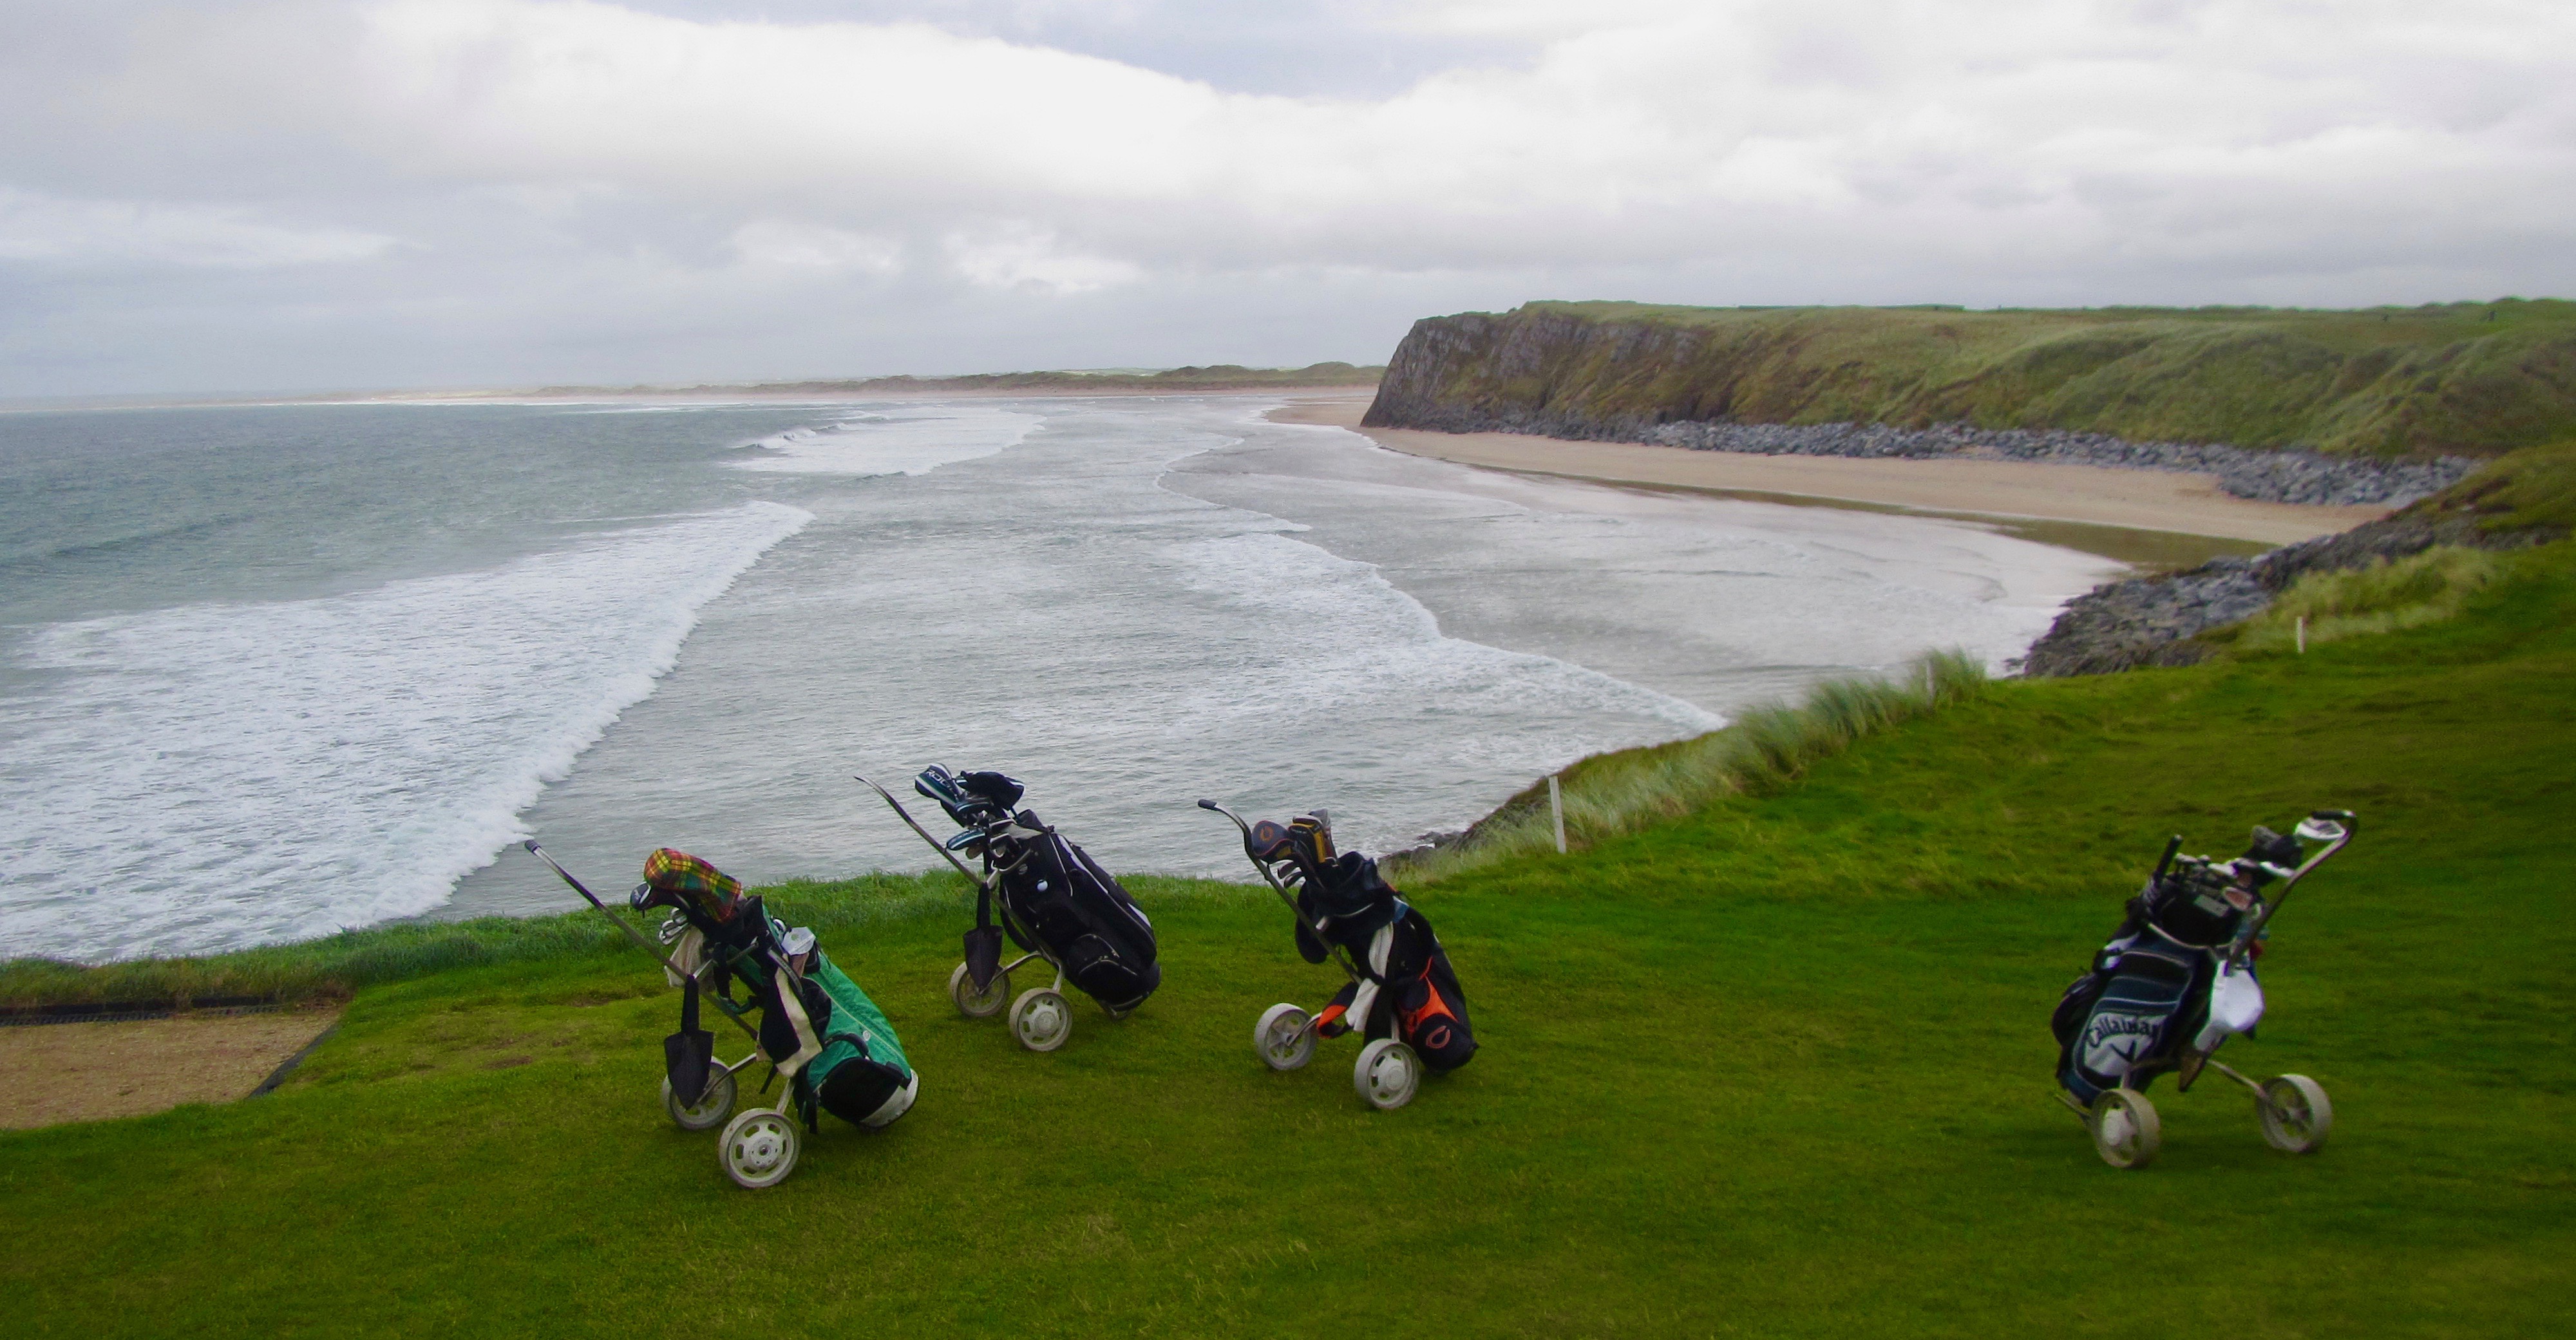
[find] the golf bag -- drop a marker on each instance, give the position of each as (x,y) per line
(838,1051)
(1055,900)
(1406,990)
(2148,991)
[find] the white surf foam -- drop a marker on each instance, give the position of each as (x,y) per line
(1346,655)
(213,776)
(907,443)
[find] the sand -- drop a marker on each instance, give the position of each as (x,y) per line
(2151,500)
(53,1073)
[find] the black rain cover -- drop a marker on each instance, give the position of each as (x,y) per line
(1057,895)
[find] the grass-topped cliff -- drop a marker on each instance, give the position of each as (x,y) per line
(1771,1062)
(2457,379)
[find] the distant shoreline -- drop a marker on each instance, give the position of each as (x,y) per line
(1170,381)
(1224,378)
(2070,505)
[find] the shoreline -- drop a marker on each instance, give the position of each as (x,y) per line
(710,396)
(2153,518)
(721,396)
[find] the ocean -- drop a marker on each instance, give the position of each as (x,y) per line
(267,672)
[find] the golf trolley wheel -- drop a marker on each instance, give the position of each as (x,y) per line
(1387,1074)
(2296,1115)
(712,1107)
(1285,1037)
(2126,1132)
(976,1004)
(1040,1019)
(759,1148)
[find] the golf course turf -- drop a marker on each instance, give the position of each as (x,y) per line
(1778,1067)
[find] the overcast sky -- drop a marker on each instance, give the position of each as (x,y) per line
(312,194)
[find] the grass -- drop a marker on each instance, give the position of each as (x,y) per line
(2385,597)
(1775,1066)
(2466,378)
(335,966)
(2532,490)
(1624,792)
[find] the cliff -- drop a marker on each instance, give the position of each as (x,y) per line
(2523,499)
(2384,385)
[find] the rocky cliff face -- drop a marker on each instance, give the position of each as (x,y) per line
(2015,386)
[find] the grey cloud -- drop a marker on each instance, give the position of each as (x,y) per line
(306,194)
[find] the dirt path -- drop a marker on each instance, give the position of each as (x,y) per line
(54,1073)
(2095,495)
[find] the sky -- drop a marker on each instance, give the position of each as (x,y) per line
(296,195)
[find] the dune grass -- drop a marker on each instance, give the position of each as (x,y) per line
(1622,792)
(2385,597)
(1774,1067)
(2532,491)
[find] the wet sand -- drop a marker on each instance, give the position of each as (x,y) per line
(2013,491)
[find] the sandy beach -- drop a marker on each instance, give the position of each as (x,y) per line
(55,1073)
(2147,500)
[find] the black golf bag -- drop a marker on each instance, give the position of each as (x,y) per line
(1407,990)
(2148,990)
(1055,900)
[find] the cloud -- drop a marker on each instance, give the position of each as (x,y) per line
(1023,257)
(954,168)
(782,243)
(1657,133)
(55,231)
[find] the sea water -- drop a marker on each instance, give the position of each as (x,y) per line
(269,672)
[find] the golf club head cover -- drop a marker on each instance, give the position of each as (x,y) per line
(1350,886)
(1268,841)
(677,875)
(1004,792)
(2271,854)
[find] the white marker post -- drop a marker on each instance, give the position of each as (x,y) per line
(2303,635)
(1556,804)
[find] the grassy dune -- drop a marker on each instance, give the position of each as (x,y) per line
(1776,1065)
(2463,378)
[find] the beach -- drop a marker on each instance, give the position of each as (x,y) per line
(2145,500)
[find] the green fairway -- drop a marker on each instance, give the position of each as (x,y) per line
(1780,1067)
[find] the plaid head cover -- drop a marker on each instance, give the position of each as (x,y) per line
(679,873)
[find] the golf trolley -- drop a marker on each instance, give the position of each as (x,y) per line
(2213,995)
(815,1018)
(1052,900)
(1392,1006)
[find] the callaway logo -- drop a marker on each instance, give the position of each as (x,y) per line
(2119,1039)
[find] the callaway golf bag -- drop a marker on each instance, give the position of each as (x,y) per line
(2178,979)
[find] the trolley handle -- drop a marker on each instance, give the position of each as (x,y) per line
(2336,829)
(633,934)
(935,844)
